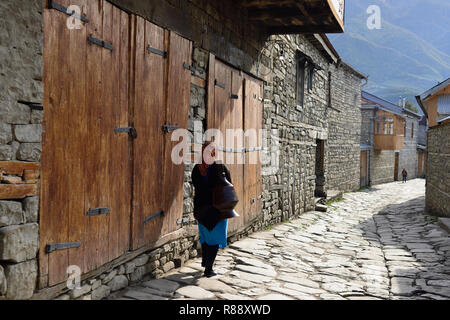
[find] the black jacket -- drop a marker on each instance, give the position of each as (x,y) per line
(204,211)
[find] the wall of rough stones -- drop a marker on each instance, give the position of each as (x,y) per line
(344,130)
(214,27)
(367,126)
(438,171)
(408,155)
(21,67)
(381,166)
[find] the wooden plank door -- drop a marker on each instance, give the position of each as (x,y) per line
(363,168)
(58,163)
(252,126)
(396,164)
(107,152)
(177,115)
(84,164)
(149,115)
(236,165)
(420,164)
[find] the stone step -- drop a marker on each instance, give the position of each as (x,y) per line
(333,195)
(321,207)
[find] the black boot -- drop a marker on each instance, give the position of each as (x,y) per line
(204,253)
(211,253)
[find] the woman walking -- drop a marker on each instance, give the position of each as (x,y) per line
(212,224)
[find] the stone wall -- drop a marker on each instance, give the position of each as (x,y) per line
(408,155)
(367,126)
(381,166)
(422,134)
(21,67)
(438,171)
(344,130)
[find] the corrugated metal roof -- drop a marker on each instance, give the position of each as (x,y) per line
(444,104)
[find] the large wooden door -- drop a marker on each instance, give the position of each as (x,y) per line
(235,103)
(177,115)
(104,189)
(85,165)
(420,163)
(149,114)
(396,164)
(253,109)
(228,115)
(364,169)
(161,92)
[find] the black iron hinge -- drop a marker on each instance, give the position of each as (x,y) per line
(219,84)
(32,105)
(61,246)
(130,130)
(167,128)
(188,67)
(61,8)
(98,211)
(159,214)
(157,51)
(101,43)
(234,96)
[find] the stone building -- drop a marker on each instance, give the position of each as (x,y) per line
(422,147)
(87,186)
(435,104)
(389,141)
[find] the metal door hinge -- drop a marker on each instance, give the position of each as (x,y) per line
(157,51)
(98,211)
(101,43)
(167,128)
(130,130)
(159,214)
(219,84)
(234,96)
(61,246)
(61,8)
(32,105)
(188,67)
(254,149)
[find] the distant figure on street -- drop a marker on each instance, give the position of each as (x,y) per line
(405,175)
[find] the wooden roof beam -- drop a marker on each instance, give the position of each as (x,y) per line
(264,3)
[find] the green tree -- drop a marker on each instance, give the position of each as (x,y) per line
(411,106)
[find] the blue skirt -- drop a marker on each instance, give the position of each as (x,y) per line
(217,236)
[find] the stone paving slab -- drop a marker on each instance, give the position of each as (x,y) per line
(375,244)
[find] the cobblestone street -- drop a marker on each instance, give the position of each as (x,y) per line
(374,244)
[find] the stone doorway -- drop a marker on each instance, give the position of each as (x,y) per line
(320,169)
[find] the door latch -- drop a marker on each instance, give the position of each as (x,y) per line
(130,130)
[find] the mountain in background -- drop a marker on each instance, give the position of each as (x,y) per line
(408,55)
